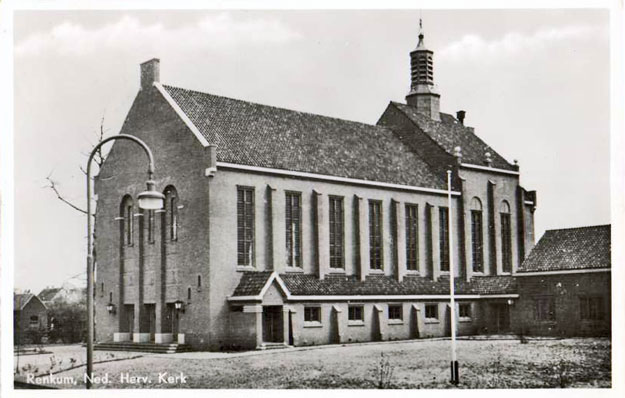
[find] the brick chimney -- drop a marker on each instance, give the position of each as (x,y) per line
(460,116)
(150,73)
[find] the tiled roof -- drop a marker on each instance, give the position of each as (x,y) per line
(570,249)
(49,293)
(449,133)
(378,285)
(20,300)
(264,136)
(252,283)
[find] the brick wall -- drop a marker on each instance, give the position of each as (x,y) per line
(566,291)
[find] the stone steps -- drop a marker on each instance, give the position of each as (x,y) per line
(168,348)
(273,346)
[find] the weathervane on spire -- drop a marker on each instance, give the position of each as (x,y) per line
(420,33)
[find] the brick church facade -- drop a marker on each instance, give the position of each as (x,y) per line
(284,227)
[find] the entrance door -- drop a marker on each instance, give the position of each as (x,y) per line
(272,324)
(129,318)
(171,320)
(501,314)
(149,320)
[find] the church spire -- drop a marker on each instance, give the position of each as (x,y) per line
(423,92)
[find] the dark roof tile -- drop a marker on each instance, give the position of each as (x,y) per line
(449,133)
(570,249)
(264,136)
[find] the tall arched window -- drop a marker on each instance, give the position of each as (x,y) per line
(477,240)
(506,237)
(171,213)
(127,215)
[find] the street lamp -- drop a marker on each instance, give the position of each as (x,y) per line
(110,307)
(454,359)
(149,200)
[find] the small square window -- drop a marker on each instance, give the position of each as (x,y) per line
(395,311)
(356,313)
(312,314)
(464,310)
(431,311)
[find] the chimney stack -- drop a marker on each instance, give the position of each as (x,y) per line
(150,73)
(460,116)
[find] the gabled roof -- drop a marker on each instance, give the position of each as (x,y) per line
(252,284)
(48,294)
(449,133)
(257,135)
(20,300)
(570,249)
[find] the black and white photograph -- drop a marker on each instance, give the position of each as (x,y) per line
(383,197)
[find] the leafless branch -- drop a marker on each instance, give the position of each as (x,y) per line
(60,197)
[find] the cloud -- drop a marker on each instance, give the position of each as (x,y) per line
(128,33)
(474,47)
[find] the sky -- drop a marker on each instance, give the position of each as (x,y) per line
(534,84)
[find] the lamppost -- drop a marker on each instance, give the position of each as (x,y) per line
(148,200)
(454,360)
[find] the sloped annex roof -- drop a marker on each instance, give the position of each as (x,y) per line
(253,283)
(449,133)
(48,294)
(258,135)
(20,300)
(570,249)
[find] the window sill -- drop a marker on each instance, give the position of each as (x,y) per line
(314,324)
(465,320)
(376,271)
(355,323)
(395,321)
(294,270)
(336,270)
(243,268)
(432,320)
(413,272)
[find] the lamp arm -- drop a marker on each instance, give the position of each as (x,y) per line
(90,273)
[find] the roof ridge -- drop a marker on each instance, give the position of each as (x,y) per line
(277,107)
(580,227)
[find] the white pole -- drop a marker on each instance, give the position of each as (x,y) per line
(454,361)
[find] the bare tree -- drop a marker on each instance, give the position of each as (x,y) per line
(98,158)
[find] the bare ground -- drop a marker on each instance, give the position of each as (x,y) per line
(414,364)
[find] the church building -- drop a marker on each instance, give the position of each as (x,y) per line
(283,227)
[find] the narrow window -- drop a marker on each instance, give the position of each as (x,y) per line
(506,238)
(464,310)
(545,308)
(150,226)
(395,311)
(171,213)
(245,226)
(375,234)
(412,237)
(312,314)
(110,297)
(443,213)
(355,313)
(189,294)
(294,229)
(477,243)
(337,232)
(102,289)
(431,311)
(591,308)
(199,281)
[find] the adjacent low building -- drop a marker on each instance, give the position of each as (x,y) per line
(30,319)
(565,284)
